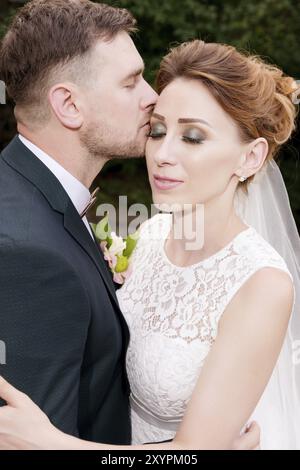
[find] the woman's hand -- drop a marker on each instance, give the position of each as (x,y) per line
(23,425)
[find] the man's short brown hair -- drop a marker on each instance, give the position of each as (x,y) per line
(46,35)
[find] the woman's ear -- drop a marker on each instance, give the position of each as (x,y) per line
(254,158)
(65,104)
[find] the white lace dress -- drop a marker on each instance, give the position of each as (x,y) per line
(173,314)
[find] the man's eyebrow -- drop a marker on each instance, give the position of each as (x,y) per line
(136,73)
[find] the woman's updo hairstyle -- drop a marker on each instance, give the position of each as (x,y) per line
(258,96)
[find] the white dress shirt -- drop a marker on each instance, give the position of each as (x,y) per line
(77,192)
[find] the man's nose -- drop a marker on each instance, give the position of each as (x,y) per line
(149,98)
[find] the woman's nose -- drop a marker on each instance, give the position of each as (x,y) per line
(165,155)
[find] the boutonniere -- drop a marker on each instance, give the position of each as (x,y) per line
(117,251)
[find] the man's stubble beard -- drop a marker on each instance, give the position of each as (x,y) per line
(100,143)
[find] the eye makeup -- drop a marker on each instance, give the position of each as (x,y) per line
(192,135)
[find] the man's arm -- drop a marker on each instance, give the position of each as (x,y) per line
(44,316)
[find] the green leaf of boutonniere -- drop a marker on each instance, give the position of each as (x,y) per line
(103,230)
(93,227)
(122,264)
(131,242)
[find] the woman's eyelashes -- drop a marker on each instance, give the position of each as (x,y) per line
(193,136)
(157,130)
(190,136)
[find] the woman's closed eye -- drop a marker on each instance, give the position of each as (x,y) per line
(191,136)
(157,130)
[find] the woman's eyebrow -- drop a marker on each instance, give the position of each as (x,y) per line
(188,120)
(182,120)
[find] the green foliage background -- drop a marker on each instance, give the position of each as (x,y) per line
(270,28)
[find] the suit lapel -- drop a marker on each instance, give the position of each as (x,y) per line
(19,157)
(74,225)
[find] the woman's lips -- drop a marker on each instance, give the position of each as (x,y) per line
(164,183)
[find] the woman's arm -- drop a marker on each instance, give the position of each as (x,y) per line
(240,363)
(23,426)
(233,378)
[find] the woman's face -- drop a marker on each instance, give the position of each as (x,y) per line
(194,147)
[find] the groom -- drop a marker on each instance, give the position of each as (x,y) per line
(77,81)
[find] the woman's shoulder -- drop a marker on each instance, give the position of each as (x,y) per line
(269,269)
(259,252)
(268,290)
(267,284)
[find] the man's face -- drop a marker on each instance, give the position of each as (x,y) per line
(118,101)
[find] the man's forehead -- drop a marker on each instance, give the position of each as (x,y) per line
(119,52)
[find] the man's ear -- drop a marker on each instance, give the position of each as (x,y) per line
(253,158)
(65,103)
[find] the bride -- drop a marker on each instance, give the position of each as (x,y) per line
(211,323)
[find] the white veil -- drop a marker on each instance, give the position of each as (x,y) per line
(267,209)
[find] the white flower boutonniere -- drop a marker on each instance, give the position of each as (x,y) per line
(117,252)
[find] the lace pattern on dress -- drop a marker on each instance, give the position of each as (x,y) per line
(173,316)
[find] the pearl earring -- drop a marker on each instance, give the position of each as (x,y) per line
(242,179)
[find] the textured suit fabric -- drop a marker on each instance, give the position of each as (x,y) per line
(65,336)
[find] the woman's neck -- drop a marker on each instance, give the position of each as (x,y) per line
(201,232)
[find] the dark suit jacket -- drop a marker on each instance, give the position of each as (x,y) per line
(65,335)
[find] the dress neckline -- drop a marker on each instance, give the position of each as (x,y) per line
(241,234)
